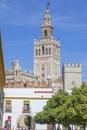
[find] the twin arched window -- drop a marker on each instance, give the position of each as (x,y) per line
(44,51)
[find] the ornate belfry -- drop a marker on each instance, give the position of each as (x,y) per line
(47,51)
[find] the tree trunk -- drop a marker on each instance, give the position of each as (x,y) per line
(53,127)
(84,126)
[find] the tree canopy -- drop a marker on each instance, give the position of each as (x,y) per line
(64,108)
(50,112)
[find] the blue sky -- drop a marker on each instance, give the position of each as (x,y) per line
(20,22)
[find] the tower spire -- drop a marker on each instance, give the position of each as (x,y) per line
(47,27)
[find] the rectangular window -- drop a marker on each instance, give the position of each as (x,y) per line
(42,50)
(8,106)
(43,67)
(43,75)
(26,107)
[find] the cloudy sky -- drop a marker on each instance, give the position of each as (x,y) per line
(20,22)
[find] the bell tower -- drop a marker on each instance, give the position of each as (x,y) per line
(47,51)
(47,28)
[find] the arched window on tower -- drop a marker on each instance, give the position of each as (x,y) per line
(46,50)
(39,51)
(49,50)
(45,32)
(36,52)
(42,50)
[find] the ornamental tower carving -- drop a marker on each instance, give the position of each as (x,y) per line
(47,52)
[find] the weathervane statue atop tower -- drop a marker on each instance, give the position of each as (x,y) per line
(48,3)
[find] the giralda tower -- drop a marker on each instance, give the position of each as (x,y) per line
(47,52)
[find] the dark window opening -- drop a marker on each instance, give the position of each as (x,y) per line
(25,85)
(39,51)
(42,50)
(46,50)
(36,52)
(43,75)
(49,50)
(45,32)
(73,82)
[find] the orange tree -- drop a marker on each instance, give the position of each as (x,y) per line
(50,112)
(65,109)
(79,103)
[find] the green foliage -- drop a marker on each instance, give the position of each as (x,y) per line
(27,121)
(57,100)
(50,112)
(65,109)
(79,100)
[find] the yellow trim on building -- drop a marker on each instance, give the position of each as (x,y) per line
(26,98)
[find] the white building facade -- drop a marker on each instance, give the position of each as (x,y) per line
(20,102)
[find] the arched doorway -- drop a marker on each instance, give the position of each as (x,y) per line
(21,124)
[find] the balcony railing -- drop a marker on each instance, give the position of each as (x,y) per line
(27,110)
(8,110)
